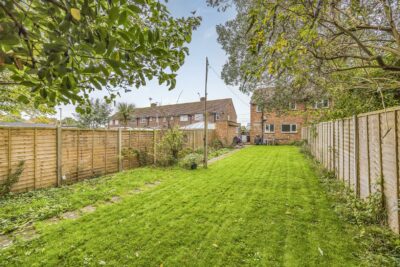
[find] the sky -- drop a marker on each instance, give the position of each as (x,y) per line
(191,76)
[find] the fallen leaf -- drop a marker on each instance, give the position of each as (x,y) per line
(320,251)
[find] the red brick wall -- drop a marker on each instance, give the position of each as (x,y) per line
(225,133)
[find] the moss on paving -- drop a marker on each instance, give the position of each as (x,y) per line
(262,206)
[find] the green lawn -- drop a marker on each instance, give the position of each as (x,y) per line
(262,206)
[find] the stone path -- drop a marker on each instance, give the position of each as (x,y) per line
(29,233)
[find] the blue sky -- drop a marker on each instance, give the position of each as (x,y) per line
(190,80)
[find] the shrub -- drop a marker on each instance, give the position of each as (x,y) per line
(217,144)
(170,146)
(184,152)
(190,161)
(11,179)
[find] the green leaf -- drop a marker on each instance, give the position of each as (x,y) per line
(122,18)
(76,14)
(113,14)
(135,9)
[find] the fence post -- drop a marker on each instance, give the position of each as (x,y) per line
(105,152)
(342,150)
(368,156)
(77,153)
(334,147)
(59,154)
(396,142)
(119,149)
(34,157)
(380,159)
(92,152)
(356,156)
(154,146)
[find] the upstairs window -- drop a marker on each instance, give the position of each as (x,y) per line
(324,103)
(143,120)
(258,108)
(184,118)
(289,128)
(269,128)
(292,106)
(198,117)
(217,116)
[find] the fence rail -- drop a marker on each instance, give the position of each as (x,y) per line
(363,152)
(54,156)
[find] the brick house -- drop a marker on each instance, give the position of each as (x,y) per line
(221,117)
(282,126)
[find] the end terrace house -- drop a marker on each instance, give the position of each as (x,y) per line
(283,126)
(221,117)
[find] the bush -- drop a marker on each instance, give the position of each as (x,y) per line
(184,152)
(170,146)
(190,161)
(217,144)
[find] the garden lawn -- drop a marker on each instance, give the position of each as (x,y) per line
(262,206)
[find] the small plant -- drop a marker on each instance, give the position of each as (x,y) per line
(190,161)
(11,179)
(217,144)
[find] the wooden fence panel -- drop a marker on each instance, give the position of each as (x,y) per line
(363,157)
(4,154)
(389,168)
(364,154)
(374,151)
(352,157)
(70,152)
(99,150)
(22,149)
(45,158)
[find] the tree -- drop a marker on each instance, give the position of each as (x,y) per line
(97,115)
(310,49)
(61,51)
(68,121)
(125,113)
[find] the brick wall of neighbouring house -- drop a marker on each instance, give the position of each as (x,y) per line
(297,117)
(225,132)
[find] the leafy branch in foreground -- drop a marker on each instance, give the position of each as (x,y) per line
(63,50)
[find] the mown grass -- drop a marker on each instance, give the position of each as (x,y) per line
(262,206)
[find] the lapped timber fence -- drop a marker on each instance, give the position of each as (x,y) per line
(54,156)
(363,151)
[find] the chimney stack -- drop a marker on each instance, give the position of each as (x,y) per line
(202,99)
(153,105)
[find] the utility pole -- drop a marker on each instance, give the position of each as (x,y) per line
(205,119)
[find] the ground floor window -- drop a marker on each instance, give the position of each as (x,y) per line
(289,128)
(269,128)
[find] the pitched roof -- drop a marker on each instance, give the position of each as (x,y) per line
(213,106)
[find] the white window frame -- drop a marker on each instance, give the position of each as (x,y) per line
(199,117)
(258,109)
(184,118)
(217,116)
(143,120)
(172,118)
(116,122)
(268,125)
(292,105)
(321,104)
(290,126)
